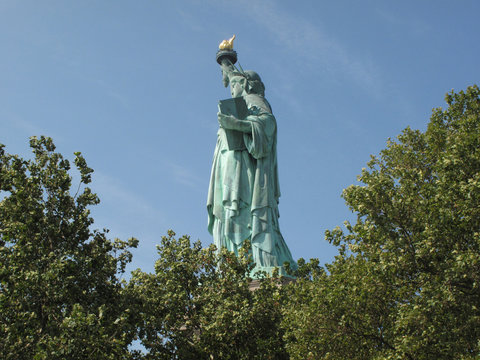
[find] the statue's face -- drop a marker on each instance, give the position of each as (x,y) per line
(237,86)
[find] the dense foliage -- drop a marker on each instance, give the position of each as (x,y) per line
(404,285)
(198,305)
(60,296)
(406,282)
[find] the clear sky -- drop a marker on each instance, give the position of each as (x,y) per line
(134,86)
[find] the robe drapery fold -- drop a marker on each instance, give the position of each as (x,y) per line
(244,191)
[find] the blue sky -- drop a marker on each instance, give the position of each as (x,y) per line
(134,86)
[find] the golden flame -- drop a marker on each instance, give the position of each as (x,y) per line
(227,44)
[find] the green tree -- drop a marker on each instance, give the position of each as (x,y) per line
(406,282)
(197,305)
(60,295)
(341,313)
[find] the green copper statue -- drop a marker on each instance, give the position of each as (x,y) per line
(244,190)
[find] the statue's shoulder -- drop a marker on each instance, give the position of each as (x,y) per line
(259,102)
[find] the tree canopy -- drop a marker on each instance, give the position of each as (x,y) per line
(404,285)
(406,281)
(197,305)
(60,294)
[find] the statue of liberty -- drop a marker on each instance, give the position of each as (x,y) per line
(244,190)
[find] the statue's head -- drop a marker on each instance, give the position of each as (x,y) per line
(238,84)
(246,81)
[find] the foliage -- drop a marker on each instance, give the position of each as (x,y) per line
(406,282)
(60,296)
(197,305)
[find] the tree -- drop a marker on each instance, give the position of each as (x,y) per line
(406,282)
(60,296)
(197,305)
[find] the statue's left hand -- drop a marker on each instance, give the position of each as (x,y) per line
(227,121)
(232,123)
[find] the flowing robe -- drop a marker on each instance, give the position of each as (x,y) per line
(244,191)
